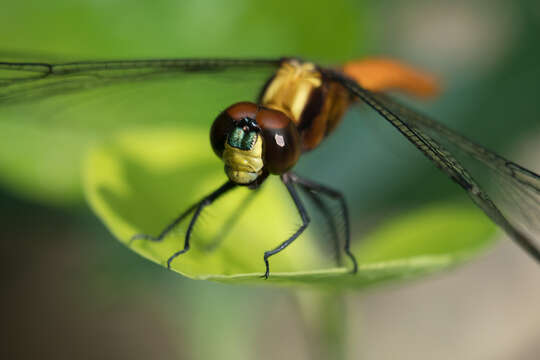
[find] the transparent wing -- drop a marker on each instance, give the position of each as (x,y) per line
(24,81)
(103,95)
(507,192)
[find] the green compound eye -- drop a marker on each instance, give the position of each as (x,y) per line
(243,140)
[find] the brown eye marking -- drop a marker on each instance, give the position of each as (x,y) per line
(282,145)
(242,110)
(218,132)
(272,119)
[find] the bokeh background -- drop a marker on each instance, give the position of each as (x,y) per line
(70,290)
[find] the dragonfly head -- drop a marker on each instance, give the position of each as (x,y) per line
(252,140)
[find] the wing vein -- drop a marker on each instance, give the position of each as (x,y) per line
(411,124)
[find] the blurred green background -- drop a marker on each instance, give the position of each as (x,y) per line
(72,291)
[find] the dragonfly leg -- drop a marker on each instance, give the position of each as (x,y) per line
(323,208)
(197,207)
(209,199)
(303,215)
(312,186)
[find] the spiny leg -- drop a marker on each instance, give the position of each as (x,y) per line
(323,208)
(303,215)
(209,199)
(336,195)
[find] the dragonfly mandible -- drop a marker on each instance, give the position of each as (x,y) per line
(298,106)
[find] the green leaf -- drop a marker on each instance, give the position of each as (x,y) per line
(140,181)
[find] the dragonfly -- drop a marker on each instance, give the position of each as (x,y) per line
(299,105)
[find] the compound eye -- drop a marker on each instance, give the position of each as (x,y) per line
(281,140)
(226,121)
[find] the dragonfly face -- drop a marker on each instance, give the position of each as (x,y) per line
(243,152)
(254,141)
